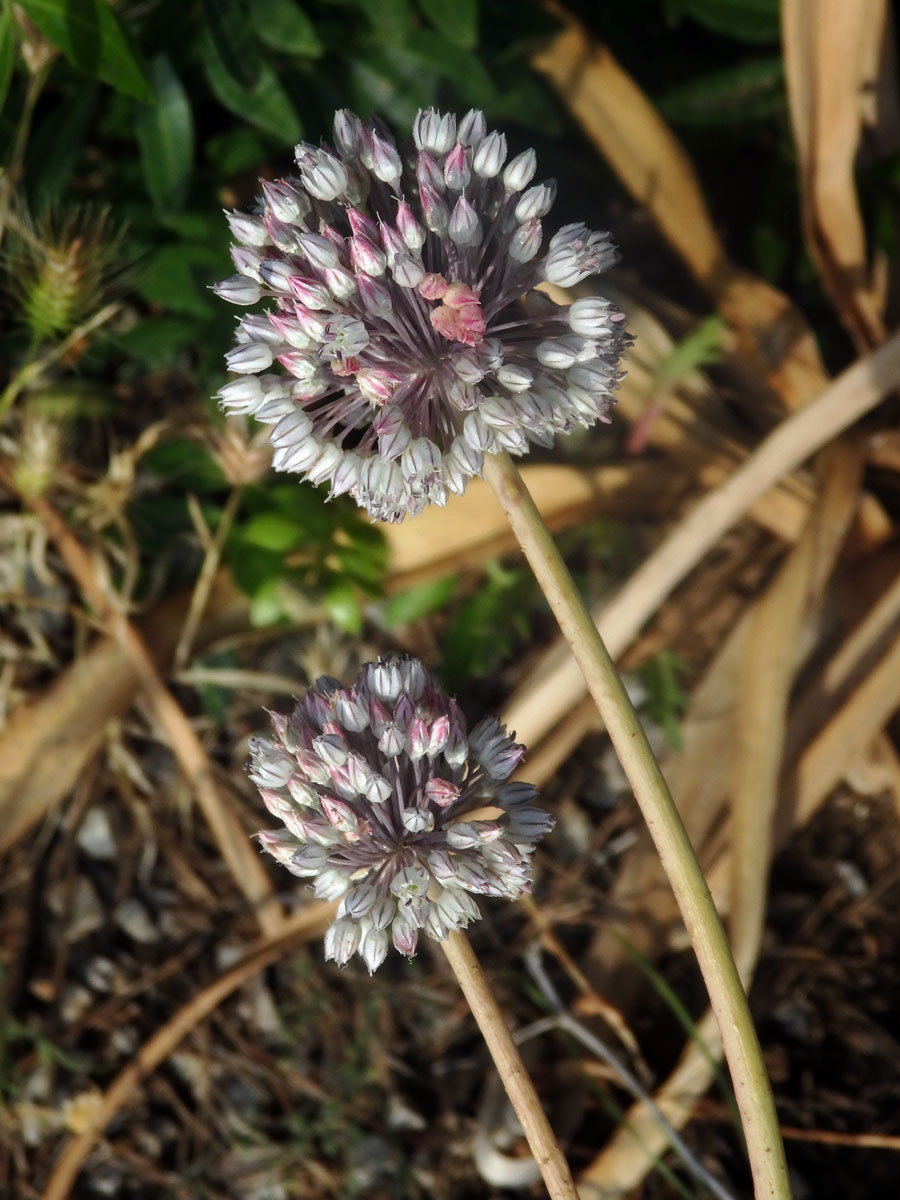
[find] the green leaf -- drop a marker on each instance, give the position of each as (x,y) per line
(273,531)
(235,151)
(457,22)
(461,66)
(7,53)
(179,277)
(747,20)
(416,602)
(92,37)
(184,464)
(165,133)
(342,604)
(283,25)
(700,348)
(747,91)
(265,105)
(487,625)
(57,142)
(390,19)
(157,341)
(228,23)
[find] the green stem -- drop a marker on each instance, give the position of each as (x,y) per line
(729,1002)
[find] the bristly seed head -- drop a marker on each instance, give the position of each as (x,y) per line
(381,791)
(404,317)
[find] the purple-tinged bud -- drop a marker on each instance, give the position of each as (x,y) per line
(361,225)
(376,298)
(341,941)
(392,742)
(349,132)
(386,163)
(365,257)
(442,865)
(318,250)
(457,747)
(310,292)
(310,860)
(520,171)
(238,289)
(289,331)
(300,365)
(404,713)
(324,175)
(283,236)
(490,156)
(463,836)
(464,228)
(332,749)
(440,731)
(472,128)
(410,230)
(256,328)
(339,814)
(457,172)
(417,740)
(358,902)
(428,173)
(536,202)
(249,359)
(285,202)
(434,210)
(249,230)
(529,824)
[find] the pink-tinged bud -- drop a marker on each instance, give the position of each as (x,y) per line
(385,160)
(411,231)
(238,289)
(440,731)
(311,323)
(250,358)
(404,713)
(340,815)
(375,296)
(433,287)
(472,128)
(428,173)
(418,739)
(318,250)
(464,227)
(404,935)
(377,385)
(361,225)
(249,230)
(282,235)
(365,257)
(310,292)
(490,156)
(340,283)
(441,792)
(285,202)
(458,295)
(391,241)
(457,172)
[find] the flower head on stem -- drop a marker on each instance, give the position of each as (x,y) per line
(403,338)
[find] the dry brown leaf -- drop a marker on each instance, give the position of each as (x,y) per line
(645,154)
(832,51)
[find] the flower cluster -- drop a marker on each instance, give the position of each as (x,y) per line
(395,808)
(403,315)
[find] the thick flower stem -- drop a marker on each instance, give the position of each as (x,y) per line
(726,993)
(544,1146)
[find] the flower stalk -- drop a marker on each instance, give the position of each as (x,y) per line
(727,997)
(519,1087)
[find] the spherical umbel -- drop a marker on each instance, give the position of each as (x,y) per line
(399,288)
(393,806)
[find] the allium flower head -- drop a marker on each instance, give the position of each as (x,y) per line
(402,337)
(382,792)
